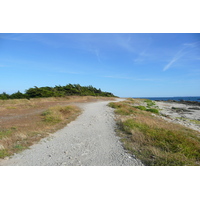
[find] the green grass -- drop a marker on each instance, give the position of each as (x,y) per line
(56,114)
(122,109)
(174,147)
(156,142)
(150,103)
(114,105)
(19,147)
(51,117)
(5,133)
(153,110)
(141,107)
(195,121)
(3,153)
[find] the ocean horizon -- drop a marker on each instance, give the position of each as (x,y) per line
(188,98)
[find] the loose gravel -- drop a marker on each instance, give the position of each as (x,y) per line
(90,140)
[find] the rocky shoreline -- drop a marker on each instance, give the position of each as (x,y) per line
(186,113)
(182,102)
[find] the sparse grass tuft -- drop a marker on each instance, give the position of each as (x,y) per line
(57,114)
(3,153)
(4,133)
(195,121)
(141,107)
(153,110)
(149,102)
(115,105)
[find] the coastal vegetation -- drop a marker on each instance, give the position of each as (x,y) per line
(153,140)
(57,91)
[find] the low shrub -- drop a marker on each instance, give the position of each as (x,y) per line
(153,110)
(141,107)
(150,103)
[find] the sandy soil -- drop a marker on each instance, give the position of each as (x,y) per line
(90,140)
(185,114)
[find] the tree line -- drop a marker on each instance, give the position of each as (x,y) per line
(57,91)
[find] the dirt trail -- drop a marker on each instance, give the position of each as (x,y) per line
(90,140)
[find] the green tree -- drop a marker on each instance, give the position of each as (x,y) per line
(4,96)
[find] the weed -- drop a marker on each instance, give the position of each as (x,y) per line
(11,107)
(149,103)
(153,110)
(5,133)
(141,107)
(123,109)
(195,121)
(46,113)
(3,153)
(19,147)
(56,114)
(115,105)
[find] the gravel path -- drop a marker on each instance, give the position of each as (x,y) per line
(90,140)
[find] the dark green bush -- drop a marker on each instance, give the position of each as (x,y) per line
(57,91)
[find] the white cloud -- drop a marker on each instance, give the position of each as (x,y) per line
(187,47)
(175,58)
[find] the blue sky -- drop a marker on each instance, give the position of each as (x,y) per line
(128,65)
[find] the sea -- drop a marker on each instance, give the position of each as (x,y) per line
(173,98)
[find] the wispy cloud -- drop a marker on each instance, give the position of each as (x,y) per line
(142,56)
(193,44)
(125,43)
(97,53)
(131,78)
(187,47)
(174,59)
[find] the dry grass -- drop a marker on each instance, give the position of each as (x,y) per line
(155,141)
(24,134)
(24,122)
